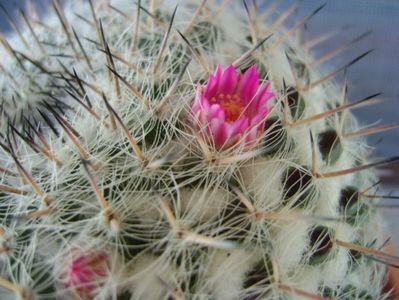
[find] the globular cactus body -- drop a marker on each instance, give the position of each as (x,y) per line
(122,180)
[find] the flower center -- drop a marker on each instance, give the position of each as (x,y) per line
(231,105)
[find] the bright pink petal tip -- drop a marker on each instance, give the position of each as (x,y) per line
(232,107)
(85,273)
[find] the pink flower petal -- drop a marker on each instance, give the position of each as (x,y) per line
(214,83)
(249,85)
(229,80)
(219,130)
(216,112)
(257,120)
(239,126)
(201,119)
(204,102)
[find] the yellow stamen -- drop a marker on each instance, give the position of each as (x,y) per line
(231,105)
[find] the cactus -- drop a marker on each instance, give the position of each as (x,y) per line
(125,175)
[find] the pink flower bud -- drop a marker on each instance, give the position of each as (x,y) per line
(86,273)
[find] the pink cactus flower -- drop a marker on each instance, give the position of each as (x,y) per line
(86,273)
(232,107)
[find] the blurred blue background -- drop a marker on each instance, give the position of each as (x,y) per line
(378,72)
